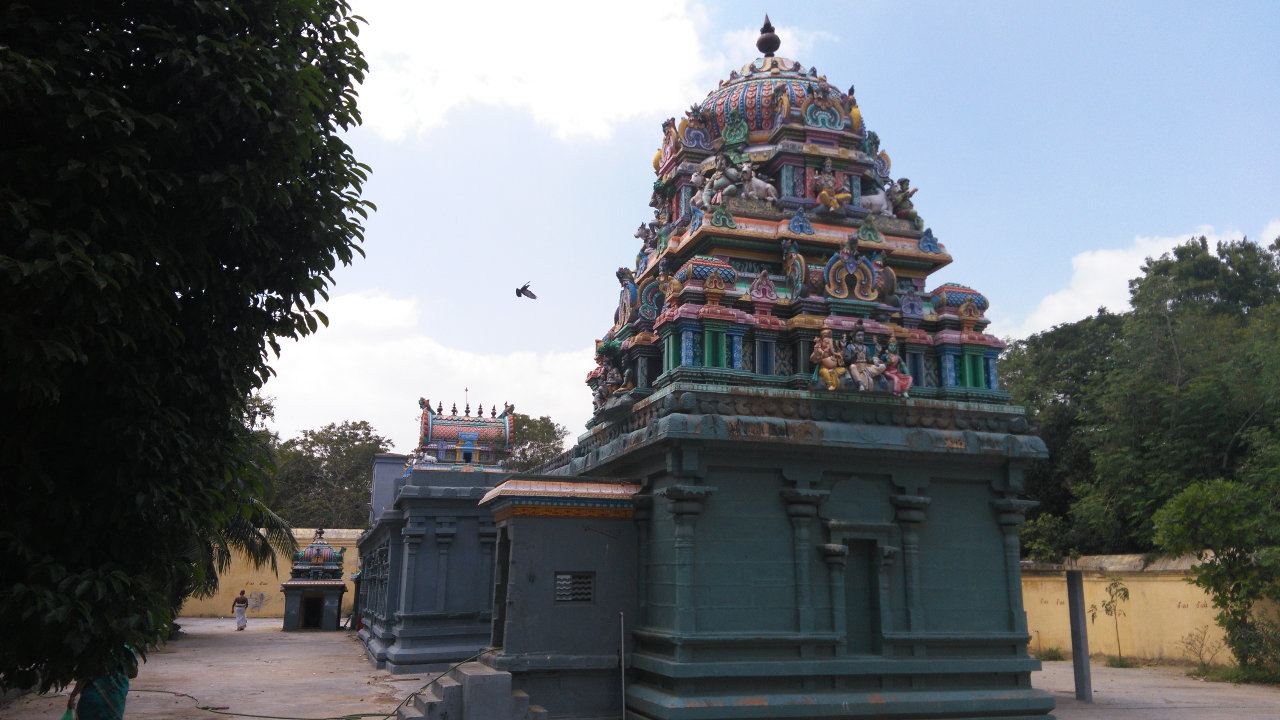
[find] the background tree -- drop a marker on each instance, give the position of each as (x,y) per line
(322,478)
(1055,375)
(1233,528)
(1185,385)
(1176,445)
(174,196)
(534,441)
(1154,399)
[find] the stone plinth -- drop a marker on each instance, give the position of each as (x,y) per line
(836,555)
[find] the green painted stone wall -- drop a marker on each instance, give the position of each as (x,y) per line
(806,555)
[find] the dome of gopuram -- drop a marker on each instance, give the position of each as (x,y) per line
(770,91)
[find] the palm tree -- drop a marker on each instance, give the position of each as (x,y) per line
(254,530)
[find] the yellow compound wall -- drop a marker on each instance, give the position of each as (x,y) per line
(263,586)
(1162,608)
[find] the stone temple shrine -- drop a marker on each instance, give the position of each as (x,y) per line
(426,565)
(798,496)
(313,593)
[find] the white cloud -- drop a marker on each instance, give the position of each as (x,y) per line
(1100,278)
(1270,233)
(373,363)
(578,67)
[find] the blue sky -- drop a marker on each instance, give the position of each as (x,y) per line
(1055,145)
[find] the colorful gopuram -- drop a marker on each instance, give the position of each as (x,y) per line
(777,226)
(426,564)
(827,520)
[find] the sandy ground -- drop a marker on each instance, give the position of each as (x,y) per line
(266,672)
(260,671)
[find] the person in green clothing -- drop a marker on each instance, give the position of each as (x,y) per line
(103,697)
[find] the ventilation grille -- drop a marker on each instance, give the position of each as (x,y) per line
(575,587)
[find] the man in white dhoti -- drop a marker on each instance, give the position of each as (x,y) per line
(241,607)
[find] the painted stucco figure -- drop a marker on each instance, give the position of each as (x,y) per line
(756,188)
(864,367)
(725,181)
(827,360)
(903,208)
(829,193)
(899,381)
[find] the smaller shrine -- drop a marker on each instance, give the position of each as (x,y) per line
(426,563)
(313,592)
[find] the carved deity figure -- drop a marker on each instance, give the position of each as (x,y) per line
(864,367)
(828,360)
(899,381)
(855,114)
(626,296)
(669,286)
(903,208)
(725,181)
(830,194)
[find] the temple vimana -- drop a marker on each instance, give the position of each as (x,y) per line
(798,495)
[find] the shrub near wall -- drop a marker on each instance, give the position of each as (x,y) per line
(263,586)
(1163,607)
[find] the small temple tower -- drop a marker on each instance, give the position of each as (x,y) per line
(426,564)
(313,592)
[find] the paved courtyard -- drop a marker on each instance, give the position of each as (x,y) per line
(266,672)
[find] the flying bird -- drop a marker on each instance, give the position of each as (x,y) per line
(525,291)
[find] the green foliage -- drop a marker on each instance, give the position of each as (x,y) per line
(175,195)
(1055,374)
(1045,538)
(1136,407)
(1239,674)
(1233,528)
(534,441)
(1117,592)
(322,478)
(255,532)
(1051,654)
(1120,662)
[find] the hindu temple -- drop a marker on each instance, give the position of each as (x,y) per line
(799,492)
(313,593)
(426,562)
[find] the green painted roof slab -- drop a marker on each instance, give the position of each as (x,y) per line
(938,429)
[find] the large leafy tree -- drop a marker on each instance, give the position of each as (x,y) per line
(534,441)
(175,194)
(1188,383)
(1137,407)
(322,478)
(1055,375)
